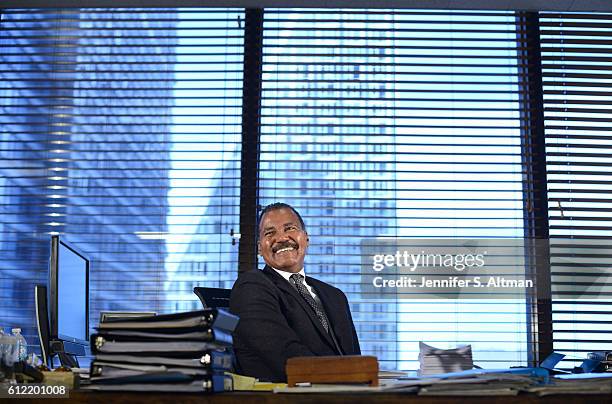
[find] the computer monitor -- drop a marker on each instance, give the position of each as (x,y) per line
(68,299)
(42,323)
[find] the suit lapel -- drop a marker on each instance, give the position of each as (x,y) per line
(284,285)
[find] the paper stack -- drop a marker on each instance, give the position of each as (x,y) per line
(173,352)
(492,384)
(435,361)
(580,383)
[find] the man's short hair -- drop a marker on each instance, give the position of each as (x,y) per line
(277,206)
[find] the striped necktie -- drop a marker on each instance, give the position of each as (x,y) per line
(298,281)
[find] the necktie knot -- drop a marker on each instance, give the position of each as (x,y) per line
(297,278)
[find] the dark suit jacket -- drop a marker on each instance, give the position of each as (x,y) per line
(276,324)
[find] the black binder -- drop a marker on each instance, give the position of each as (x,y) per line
(213,359)
(210,384)
(108,344)
(191,320)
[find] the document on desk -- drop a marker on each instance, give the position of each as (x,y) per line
(385,385)
(475,373)
(331,388)
(500,382)
(475,382)
(491,384)
(580,383)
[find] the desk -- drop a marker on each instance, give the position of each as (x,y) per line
(271,398)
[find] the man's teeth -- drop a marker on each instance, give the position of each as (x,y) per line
(285,249)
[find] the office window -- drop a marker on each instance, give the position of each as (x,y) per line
(577,76)
(120,128)
(410,121)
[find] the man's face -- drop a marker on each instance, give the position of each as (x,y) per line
(282,241)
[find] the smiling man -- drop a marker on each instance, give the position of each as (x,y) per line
(283,313)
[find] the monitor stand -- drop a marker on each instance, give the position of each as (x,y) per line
(67,360)
(67,352)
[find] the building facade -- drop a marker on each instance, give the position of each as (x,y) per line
(86,100)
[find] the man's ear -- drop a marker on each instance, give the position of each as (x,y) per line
(258,248)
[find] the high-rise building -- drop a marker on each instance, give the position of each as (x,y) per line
(211,257)
(85,127)
(322,164)
(327,149)
(315,158)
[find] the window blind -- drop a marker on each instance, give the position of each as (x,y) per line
(577,75)
(403,124)
(120,129)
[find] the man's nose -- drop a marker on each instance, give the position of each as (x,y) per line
(282,236)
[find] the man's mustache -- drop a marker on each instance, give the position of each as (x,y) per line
(284,244)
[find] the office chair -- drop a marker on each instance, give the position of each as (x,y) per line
(213,297)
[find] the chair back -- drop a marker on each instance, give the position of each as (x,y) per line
(213,298)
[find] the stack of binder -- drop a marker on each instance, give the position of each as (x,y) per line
(172,352)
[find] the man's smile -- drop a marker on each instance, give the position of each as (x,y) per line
(284,247)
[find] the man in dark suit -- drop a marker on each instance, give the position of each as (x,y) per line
(282,312)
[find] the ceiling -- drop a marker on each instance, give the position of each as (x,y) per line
(530,5)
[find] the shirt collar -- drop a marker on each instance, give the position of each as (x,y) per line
(287,275)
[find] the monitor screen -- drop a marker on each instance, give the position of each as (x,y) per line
(69,292)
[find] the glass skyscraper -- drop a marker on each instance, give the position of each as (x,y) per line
(304,162)
(85,130)
(321,165)
(211,257)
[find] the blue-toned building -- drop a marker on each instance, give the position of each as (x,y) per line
(85,153)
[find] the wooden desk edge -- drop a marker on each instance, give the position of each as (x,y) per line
(95,397)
